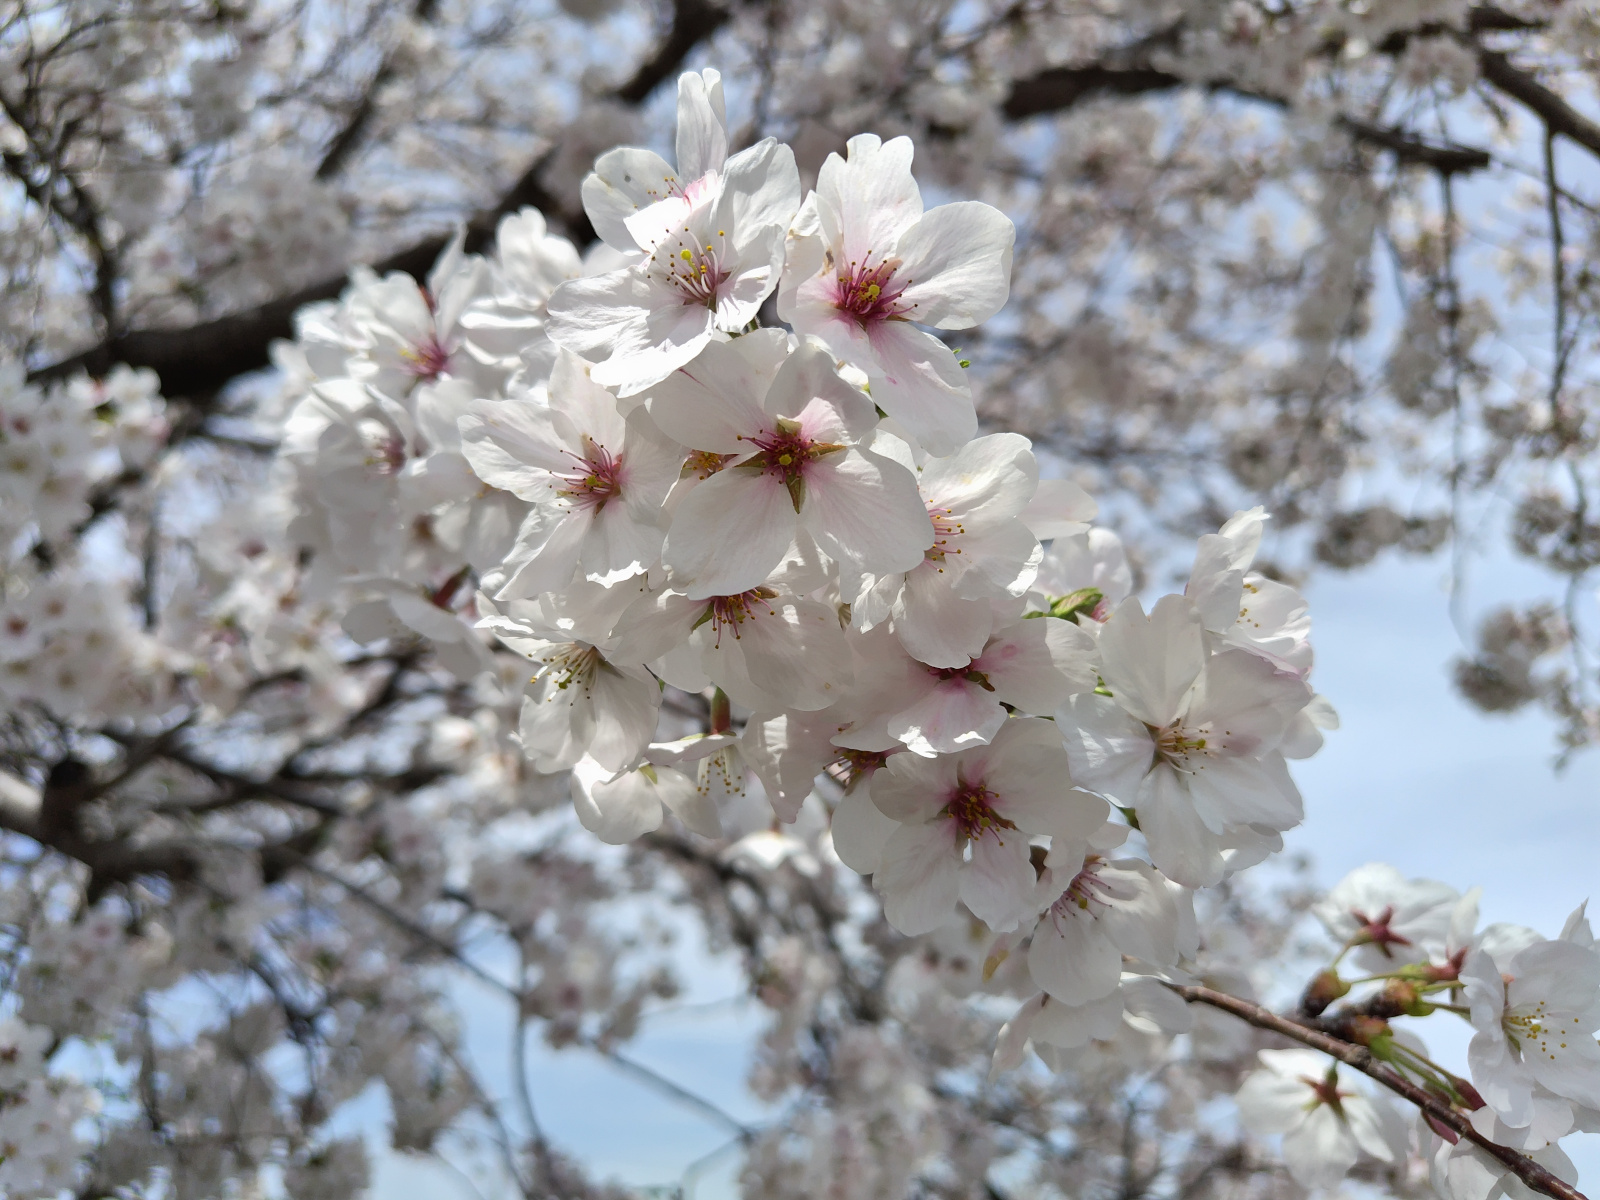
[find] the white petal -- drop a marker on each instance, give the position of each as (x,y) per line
(1150,663)
(959,259)
(729,533)
(918,876)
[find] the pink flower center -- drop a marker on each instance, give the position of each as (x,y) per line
(870,292)
(1375,931)
(854,765)
(597,479)
(945,527)
(428,360)
(733,611)
(1086,889)
(972,810)
(693,269)
(783,451)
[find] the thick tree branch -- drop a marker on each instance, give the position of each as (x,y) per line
(1361,1059)
(1558,116)
(1062,88)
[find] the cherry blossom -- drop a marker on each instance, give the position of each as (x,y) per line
(796,464)
(1535,1020)
(964,826)
(866,265)
(1187,740)
(1326,1125)
(595,478)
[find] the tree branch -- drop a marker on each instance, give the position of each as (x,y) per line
(1557,115)
(1361,1059)
(198,360)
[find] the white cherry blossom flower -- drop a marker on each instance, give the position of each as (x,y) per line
(1188,740)
(866,265)
(1535,1019)
(795,464)
(1244,607)
(1387,918)
(596,480)
(1029,665)
(1327,1125)
(766,649)
(711,243)
(627,180)
(965,822)
(1095,913)
(579,701)
(983,551)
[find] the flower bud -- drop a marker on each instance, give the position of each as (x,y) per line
(1321,992)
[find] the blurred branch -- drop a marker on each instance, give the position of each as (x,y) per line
(198,360)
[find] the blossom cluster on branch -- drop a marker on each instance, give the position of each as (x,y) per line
(693,566)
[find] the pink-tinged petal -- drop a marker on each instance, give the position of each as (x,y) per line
(1244,703)
(1019,666)
(1072,959)
(937,626)
(868,199)
(1150,663)
(865,510)
(1181,846)
(955,264)
(1110,751)
(987,481)
(512,445)
(918,381)
(810,376)
(713,403)
(952,716)
(919,877)
(729,533)
(702,123)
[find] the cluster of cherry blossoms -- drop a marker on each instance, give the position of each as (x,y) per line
(597,487)
(65,643)
(651,490)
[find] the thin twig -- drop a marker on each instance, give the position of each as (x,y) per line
(1361,1059)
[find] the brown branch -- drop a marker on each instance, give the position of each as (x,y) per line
(1361,1059)
(1061,88)
(198,360)
(1558,116)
